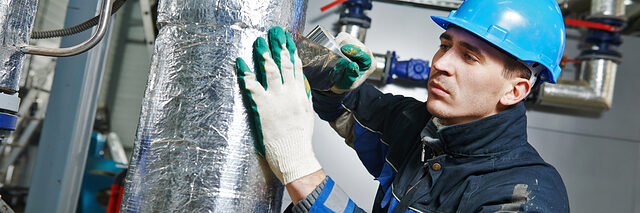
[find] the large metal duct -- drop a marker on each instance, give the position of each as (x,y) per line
(194,150)
(594,86)
(16,22)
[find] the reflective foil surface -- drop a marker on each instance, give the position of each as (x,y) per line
(194,149)
(594,90)
(16,22)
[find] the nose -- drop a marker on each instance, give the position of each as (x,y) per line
(442,63)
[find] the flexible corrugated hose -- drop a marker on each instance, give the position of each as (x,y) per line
(75,29)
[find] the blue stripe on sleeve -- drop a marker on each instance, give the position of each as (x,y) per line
(318,206)
(369,149)
(350,207)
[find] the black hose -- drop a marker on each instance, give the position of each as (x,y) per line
(75,29)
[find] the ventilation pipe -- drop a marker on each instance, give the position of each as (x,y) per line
(16,22)
(595,82)
(193,150)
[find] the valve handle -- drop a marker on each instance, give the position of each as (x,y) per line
(330,5)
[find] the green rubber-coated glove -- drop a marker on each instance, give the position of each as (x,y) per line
(349,75)
(279,105)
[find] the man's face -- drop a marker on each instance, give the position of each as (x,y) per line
(466,81)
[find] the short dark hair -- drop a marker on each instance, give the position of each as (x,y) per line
(513,67)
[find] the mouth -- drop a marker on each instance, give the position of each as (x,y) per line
(437,89)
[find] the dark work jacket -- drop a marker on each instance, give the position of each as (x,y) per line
(485,165)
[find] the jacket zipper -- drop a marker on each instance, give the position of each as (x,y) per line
(423,177)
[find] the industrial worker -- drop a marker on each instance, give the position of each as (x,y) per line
(465,151)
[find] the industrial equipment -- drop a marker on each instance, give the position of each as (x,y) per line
(17,18)
(594,85)
(193,148)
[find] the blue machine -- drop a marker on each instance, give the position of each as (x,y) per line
(98,176)
(412,69)
(8,113)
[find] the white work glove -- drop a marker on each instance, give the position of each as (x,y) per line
(279,104)
(350,75)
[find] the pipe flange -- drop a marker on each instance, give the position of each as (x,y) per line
(600,56)
(9,103)
(358,21)
(620,18)
(388,62)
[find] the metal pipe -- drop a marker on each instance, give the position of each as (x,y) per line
(16,20)
(353,19)
(593,89)
(194,150)
(355,30)
(383,64)
(97,35)
(607,9)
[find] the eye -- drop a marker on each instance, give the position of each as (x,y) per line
(444,47)
(470,58)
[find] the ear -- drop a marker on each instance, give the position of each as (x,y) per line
(516,90)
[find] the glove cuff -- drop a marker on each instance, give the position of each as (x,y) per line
(292,156)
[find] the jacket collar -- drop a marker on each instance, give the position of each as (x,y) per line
(497,133)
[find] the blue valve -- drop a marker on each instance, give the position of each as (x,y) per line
(413,69)
(604,40)
(355,13)
(356,8)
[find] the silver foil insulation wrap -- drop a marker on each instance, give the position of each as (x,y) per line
(593,89)
(16,22)
(194,148)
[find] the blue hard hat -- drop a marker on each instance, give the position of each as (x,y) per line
(532,31)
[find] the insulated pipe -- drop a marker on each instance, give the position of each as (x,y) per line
(194,150)
(594,86)
(593,90)
(16,22)
(97,35)
(607,9)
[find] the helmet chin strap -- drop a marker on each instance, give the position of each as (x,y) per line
(536,69)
